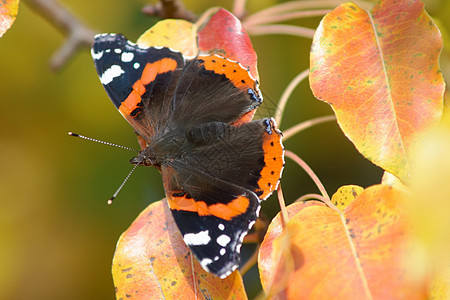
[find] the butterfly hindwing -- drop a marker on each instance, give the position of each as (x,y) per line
(215,190)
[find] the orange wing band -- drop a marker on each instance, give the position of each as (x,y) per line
(274,162)
(224,211)
(239,76)
(149,74)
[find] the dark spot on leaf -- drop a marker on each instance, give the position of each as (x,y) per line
(127,270)
(129,275)
(352,234)
(173,283)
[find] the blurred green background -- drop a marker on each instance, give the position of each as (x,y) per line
(57,234)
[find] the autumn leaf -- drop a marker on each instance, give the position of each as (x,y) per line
(223,34)
(379,71)
(345,195)
(152,262)
(360,253)
(179,35)
(8,13)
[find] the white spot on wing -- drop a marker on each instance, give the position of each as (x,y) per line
(222,251)
(257,210)
(127,56)
(223,240)
(118,50)
(225,275)
(221,227)
(205,262)
(111,73)
(196,239)
(96,55)
(250,225)
(136,65)
(243,234)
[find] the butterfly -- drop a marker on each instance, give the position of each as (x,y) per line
(193,117)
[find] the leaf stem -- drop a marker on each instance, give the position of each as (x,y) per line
(301,5)
(284,213)
(310,197)
(239,8)
(310,172)
(284,17)
(287,93)
(288,133)
(281,29)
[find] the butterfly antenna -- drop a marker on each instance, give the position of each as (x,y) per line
(101,142)
(110,200)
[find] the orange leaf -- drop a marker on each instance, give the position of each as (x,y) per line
(362,253)
(379,71)
(153,262)
(8,13)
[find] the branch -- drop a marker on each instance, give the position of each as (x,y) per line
(78,35)
(169,9)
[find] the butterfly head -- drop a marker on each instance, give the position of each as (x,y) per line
(145,157)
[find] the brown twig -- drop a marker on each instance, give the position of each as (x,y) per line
(169,9)
(78,34)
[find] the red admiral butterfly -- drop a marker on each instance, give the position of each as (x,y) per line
(193,116)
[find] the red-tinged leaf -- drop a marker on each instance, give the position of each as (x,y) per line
(8,13)
(224,35)
(379,71)
(153,262)
(362,253)
(275,260)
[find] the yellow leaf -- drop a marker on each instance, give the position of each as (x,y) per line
(8,13)
(345,195)
(179,35)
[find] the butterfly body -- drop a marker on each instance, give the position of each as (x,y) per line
(193,117)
